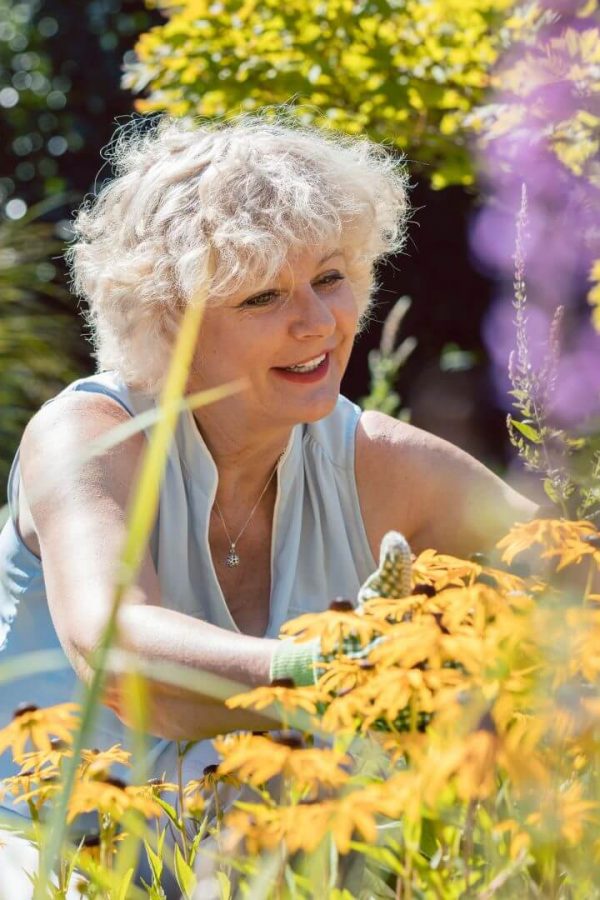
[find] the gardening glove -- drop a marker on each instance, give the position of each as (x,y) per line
(393,577)
(299,661)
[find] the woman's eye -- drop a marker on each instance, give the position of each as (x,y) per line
(331,278)
(260,300)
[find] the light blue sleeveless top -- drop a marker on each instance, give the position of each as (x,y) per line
(319,550)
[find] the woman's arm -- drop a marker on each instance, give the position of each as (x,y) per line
(434,493)
(79,515)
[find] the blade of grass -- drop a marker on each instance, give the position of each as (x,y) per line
(143,420)
(140,522)
(218,688)
(37,662)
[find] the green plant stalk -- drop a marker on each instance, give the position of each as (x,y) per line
(140,524)
(38,662)
(136,695)
(184,843)
(591,576)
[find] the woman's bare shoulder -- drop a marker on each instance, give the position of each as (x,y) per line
(72,414)
(73,419)
(429,489)
(61,448)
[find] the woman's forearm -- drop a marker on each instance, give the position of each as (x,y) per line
(157,637)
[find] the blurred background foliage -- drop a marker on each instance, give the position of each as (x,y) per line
(404,73)
(413,74)
(60,69)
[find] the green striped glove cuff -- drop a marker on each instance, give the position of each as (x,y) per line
(296,661)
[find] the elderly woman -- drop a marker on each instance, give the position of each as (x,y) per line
(275,499)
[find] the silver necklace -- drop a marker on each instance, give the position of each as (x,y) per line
(232,559)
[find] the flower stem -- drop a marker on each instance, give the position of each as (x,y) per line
(184,842)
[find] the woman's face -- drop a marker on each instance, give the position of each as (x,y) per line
(306,319)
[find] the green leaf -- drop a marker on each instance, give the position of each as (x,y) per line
(170,811)
(382,855)
(184,874)
(198,839)
(156,863)
(224,886)
(124,885)
(526,430)
(551,492)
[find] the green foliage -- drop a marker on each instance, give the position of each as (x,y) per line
(38,333)
(386,362)
(59,71)
(404,72)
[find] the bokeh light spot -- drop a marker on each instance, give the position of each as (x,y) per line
(48,26)
(56,100)
(9,97)
(57,145)
(15,208)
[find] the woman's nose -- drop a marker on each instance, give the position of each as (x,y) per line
(312,315)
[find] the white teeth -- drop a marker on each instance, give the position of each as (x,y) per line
(307,366)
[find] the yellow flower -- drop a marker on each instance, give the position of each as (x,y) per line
(396,698)
(343,674)
(333,626)
(473,762)
(196,790)
(48,760)
(113,798)
(440,570)
(28,785)
(194,802)
(304,825)
(574,549)
(255,759)
(94,763)
(36,726)
(564,812)
(553,534)
(390,609)
(289,698)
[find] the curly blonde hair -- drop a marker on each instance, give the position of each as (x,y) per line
(250,192)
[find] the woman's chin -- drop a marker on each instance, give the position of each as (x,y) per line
(313,409)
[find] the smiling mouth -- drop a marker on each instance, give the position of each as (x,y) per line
(308,366)
(303,373)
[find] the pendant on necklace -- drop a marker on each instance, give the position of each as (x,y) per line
(232,558)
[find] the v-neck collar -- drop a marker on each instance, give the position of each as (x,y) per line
(203,473)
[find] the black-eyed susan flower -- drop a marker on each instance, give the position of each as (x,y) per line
(564,813)
(343,674)
(32,787)
(288,697)
(255,760)
(94,763)
(395,699)
(441,570)
(35,726)
(336,627)
(111,798)
(553,535)
(303,826)
(199,792)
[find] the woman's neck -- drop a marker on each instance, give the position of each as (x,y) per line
(245,458)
